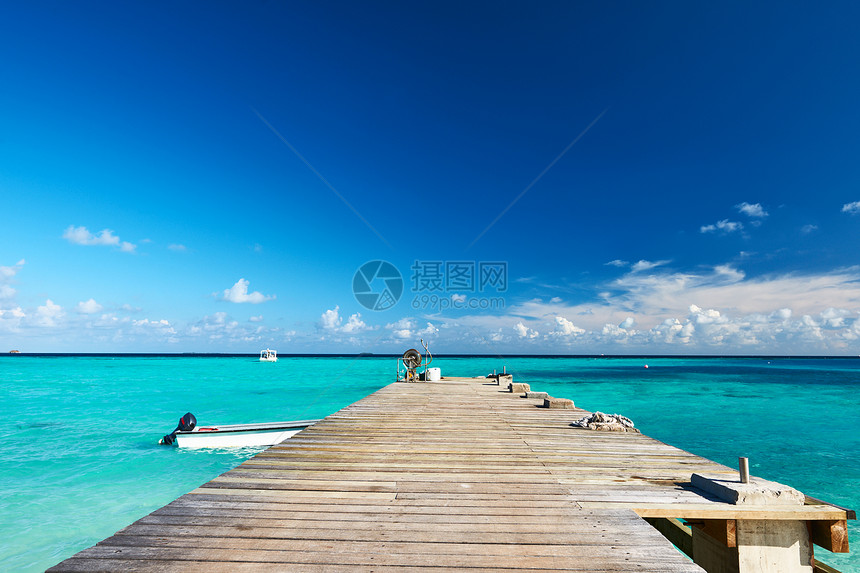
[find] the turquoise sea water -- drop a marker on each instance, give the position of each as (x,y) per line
(80,460)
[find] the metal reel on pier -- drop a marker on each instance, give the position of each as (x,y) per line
(411,360)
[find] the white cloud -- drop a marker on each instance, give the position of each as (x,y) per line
(524,332)
(709,316)
(49,314)
(725,226)
(354,324)
(719,310)
(331,321)
(428,330)
(782,314)
(752,210)
(161,325)
(13,313)
(647,265)
(7,293)
(177,247)
(806,229)
(851,208)
(834,318)
(255,318)
(217,327)
(729,273)
(11,319)
(458,298)
(239,293)
(804,294)
(566,328)
(407,328)
(616,333)
(616,263)
(6,273)
(652,298)
(402,333)
(671,332)
(82,236)
(88,307)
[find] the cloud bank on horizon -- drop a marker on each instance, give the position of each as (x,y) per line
(647,309)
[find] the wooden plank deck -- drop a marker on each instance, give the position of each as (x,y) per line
(456,475)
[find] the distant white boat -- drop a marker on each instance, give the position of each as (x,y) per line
(268,355)
(237,435)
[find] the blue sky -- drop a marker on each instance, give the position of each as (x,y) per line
(664,177)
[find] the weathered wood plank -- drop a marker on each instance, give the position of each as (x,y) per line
(672,529)
(724,511)
(365,547)
(597,560)
(617,537)
(548,525)
(95,565)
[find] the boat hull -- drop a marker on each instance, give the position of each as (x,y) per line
(240,435)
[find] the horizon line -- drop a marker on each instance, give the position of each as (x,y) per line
(435,355)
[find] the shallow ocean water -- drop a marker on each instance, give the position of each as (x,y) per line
(78,435)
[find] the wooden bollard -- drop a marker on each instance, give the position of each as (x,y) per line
(504,379)
(519,387)
(558,403)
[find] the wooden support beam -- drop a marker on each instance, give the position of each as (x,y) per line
(713,556)
(819,567)
(722,530)
(675,531)
(831,535)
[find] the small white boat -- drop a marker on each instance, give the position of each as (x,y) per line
(268,355)
(241,435)
(188,435)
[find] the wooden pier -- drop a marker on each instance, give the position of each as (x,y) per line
(462,475)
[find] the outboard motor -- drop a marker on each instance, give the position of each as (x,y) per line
(186,424)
